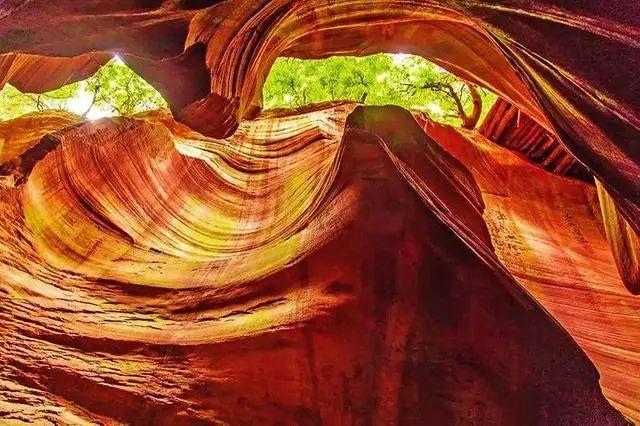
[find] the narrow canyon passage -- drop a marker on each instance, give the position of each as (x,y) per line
(215,262)
(389,307)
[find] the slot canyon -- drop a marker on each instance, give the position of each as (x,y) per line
(338,263)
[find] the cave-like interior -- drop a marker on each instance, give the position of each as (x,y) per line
(332,264)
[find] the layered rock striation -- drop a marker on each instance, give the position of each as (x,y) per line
(334,264)
(376,295)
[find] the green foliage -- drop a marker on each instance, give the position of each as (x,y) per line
(14,103)
(375,80)
(114,90)
(405,80)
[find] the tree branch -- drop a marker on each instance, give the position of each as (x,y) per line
(94,96)
(472,120)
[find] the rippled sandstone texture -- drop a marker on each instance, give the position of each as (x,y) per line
(336,264)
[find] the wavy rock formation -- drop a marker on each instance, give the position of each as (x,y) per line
(509,127)
(27,139)
(539,55)
(551,239)
(335,264)
(243,288)
(625,244)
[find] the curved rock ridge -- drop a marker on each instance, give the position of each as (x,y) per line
(313,29)
(569,66)
(550,237)
(509,127)
(53,72)
(182,210)
(391,307)
(27,139)
(625,244)
(327,265)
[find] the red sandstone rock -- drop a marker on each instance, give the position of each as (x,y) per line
(368,299)
(513,129)
(326,265)
(539,55)
(625,245)
(27,139)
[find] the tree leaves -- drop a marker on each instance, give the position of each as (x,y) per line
(118,89)
(114,90)
(405,80)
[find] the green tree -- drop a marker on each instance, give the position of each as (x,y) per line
(114,90)
(115,87)
(14,103)
(405,80)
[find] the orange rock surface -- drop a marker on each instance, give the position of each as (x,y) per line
(300,271)
(551,239)
(570,66)
(335,264)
